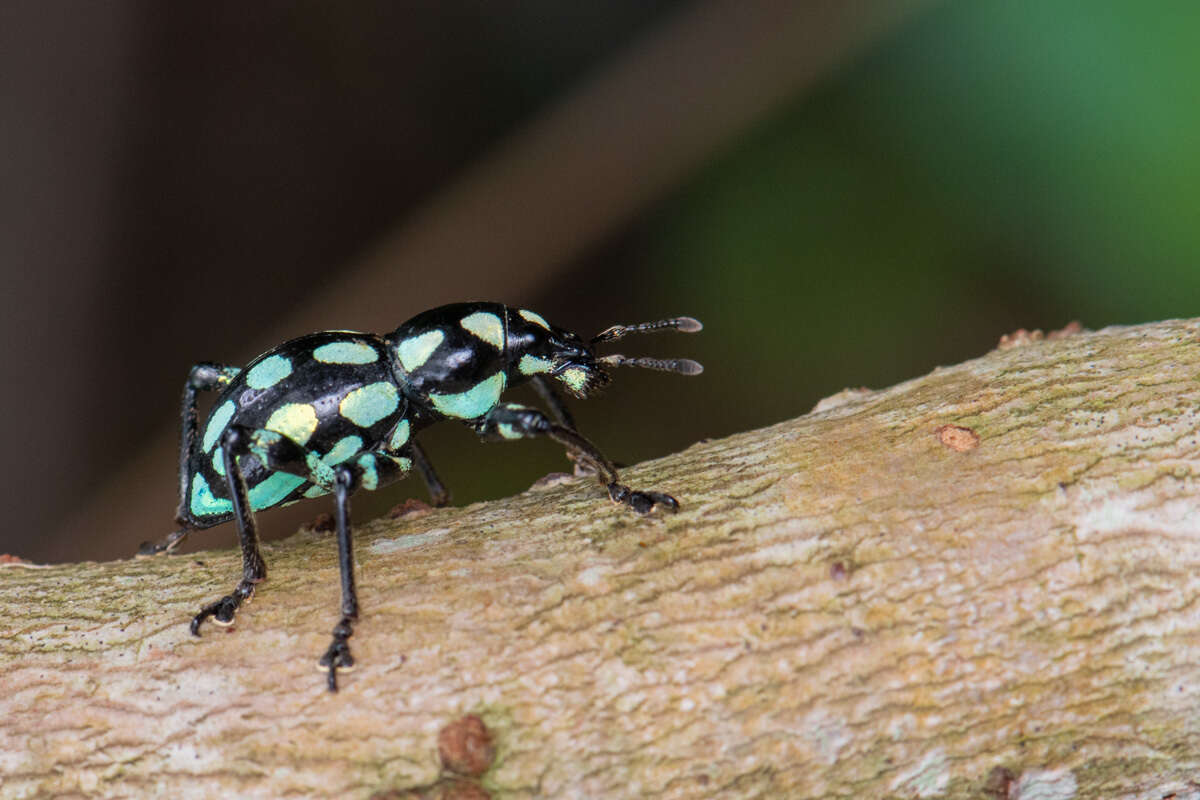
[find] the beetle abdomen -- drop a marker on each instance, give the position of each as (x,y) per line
(333,393)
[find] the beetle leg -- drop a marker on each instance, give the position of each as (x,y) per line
(438,493)
(168,545)
(552,398)
(203,377)
(368,471)
(512,421)
(235,443)
(562,415)
(338,656)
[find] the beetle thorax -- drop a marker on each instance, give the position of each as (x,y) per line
(452,360)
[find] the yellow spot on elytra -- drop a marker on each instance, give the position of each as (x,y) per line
(297,421)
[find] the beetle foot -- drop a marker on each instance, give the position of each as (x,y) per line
(168,545)
(223,610)
(338,655)
(641,502)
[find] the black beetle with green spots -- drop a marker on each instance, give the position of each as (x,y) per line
(338,411)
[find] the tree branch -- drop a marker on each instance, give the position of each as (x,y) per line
(982,580)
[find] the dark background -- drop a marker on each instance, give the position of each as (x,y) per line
(846,195)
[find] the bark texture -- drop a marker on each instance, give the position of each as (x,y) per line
(982,582)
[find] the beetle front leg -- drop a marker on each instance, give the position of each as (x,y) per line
(512,421)
(558,407)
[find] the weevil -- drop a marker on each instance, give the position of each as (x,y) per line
(338,411)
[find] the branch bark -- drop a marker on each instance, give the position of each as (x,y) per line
(858,602)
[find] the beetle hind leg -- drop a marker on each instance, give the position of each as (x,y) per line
(235,443)
(203,377)
(167,546)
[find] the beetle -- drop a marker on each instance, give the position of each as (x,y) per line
(337,411)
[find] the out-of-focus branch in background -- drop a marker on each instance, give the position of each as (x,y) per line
(555,188)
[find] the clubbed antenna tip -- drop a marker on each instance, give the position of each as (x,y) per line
(680,366)
(681,324)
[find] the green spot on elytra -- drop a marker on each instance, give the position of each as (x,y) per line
(345,353)
(216,424)
(268,372)
(204,503)
(475,402)
(272,490)
(368,404)
(416,350)
(343,450)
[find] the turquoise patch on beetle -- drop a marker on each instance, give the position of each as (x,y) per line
(370,473)
(261,442)
(345,449)
(534,317)
(368,404)
(400,435)
(315,491)
(403,462)
(320,468)
(319,472)
(475,402)
(345,353)
(216,424)
(272,490)
(534,365)
(416,350)
(268,372)
(575,378)
(486,326)
(204,503)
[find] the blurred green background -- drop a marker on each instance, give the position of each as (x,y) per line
(183,178)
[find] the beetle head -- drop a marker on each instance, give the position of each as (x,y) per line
(562,354)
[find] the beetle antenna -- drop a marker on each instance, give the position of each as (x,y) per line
(680,366)
(681,324)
